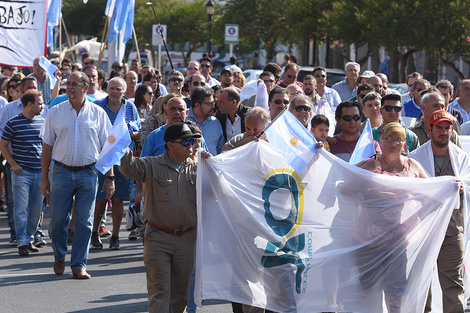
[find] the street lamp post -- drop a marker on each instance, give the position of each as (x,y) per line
(210,12)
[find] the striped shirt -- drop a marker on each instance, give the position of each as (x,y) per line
(26,145)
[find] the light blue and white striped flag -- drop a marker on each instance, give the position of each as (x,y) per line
(116,145)
(364,147)
(292,140)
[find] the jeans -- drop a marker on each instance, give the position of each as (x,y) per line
(27,204)
(65,185)
(9,193)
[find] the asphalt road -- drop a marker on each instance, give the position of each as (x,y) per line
(118,284)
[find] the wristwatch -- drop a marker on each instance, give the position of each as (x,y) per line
(111,177)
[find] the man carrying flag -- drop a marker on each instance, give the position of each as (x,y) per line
(115,106)
(75,132)
(348,118)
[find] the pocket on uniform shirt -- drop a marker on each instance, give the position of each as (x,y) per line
(163,192)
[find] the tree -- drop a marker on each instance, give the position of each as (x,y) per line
(263,23)
(187,24)
(84,19)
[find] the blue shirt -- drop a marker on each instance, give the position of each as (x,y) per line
(131,115)
(411,109)
(26,145)
(63,98)
(383,67)
(343,90)
(211,130)
(12,109)
(155,145)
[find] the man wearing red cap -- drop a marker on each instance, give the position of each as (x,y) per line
(440,157)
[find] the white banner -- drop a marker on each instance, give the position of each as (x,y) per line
(335,238)
(22,31)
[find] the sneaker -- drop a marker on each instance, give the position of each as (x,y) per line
(23,251)
(96,241)
(133,235)
(32,247)
(39,242)
(12,242)
(114,243)
(70,236)
(103,232)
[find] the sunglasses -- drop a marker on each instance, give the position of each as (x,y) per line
(302,107)
(389,108)
(362,95)
(320,76)
(202,84)
(185,142)
(117,68)
(349,118)
(205,65)
(291,76)
(88,67)
(174,79)
(279,101)
(268,81)
(12,86)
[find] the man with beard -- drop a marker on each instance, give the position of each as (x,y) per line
(202,100)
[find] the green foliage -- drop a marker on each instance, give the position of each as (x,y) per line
(84,19)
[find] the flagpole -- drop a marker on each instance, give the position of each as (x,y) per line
(136,45)
(161,33)
(68,39)
(60,36)
(272,122)
(105,31)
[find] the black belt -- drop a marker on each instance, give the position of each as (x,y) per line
(177,232)
(75,168)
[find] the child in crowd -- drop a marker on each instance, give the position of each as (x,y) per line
(319,127)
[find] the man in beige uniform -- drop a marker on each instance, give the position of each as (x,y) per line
(170,210)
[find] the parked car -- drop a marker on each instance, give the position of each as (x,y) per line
(401,88)
(251,74)
(333,75)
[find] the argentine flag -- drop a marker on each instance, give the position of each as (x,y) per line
(292,140)
(49,68)
(116,145)
(364,147)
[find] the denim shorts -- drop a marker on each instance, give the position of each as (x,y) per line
(122,184)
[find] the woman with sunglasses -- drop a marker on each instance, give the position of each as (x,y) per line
(12,92)
(143,101)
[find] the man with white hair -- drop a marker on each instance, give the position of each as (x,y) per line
(131,82)
(301,106)
(347,88)
(112,105)
(294,90)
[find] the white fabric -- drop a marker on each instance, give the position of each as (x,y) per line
(365,147)
(248,90)
(22,37)
(261,99)
(325,108)
(461,166)
(254,238)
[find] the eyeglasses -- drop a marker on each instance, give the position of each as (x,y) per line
(174,79)
(268,81)
(320,76)
(206,65)
(213,103)
(394,140)
(389,108)
(193,69)
(291,76)
(279,101)
(349,118)
(185,142)
(419,89)
(73,84)
(88,67)
(299,108)
(196,83)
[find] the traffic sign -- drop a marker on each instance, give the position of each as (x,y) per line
(231,34)
(156,37)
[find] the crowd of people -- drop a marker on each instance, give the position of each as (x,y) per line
(51,136)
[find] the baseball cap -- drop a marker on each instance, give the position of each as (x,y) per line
(226,70)
(367,74)
(440,116)
(179,130)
